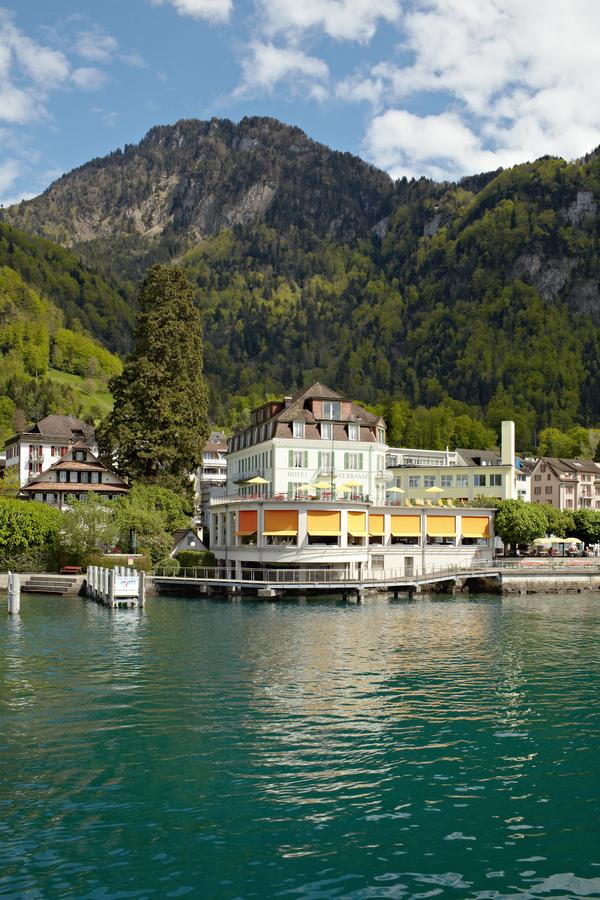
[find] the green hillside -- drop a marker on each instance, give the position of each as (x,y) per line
(44,366)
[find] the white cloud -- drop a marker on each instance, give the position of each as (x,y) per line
(355,20)
(266,65)
(211,10)
(134,59)
(95,45)
(89,78)
(514,80)
(10,169)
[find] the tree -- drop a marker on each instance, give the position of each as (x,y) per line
(26,525)
(88,527)
(158,425)
(518,522)
(587,525)
(154,513)
(559,522)
(10,483)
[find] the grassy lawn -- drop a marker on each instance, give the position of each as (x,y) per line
(94,393)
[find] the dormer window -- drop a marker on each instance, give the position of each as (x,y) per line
(326,431)
(332,410)
(353,431)
(79,455)
(298,429)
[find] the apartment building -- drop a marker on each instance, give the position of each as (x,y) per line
(45,443)
(566,483)
(210,479)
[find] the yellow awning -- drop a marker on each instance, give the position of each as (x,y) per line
(376,525)
(357,524)
(441,526)
(247,522)
(323,523)
(281,522)
(406,526)
(475,527)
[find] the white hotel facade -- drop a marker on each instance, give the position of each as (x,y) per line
(308,487)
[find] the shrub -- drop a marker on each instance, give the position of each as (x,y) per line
(27,526)
(39,559)
(141,564)
(167,566)
(196,559)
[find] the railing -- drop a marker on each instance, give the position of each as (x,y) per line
(224,574)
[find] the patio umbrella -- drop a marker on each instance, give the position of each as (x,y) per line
(322,485)
(394,490)
(434,490)
(258,479)
(542,542)
(573,540)
(350,484)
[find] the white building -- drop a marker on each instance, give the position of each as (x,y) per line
(45,443)
(210,479)
(308,488)
(315,442)
(461,475)
(73,477)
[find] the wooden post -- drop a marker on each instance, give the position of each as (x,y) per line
(14,594)
(111,588)
(142,589)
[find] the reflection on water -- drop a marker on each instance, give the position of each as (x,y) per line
(312,749)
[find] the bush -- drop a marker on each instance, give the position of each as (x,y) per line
(40,559)
(196,559)
(167,566)
(27,526)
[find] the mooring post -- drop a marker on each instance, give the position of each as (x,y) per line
(14,594)
(111,588)
(142,589)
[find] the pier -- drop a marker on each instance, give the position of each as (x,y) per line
(121,586)
(507,576)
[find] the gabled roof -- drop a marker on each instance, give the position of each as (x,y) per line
(474,457)
(67,462)
(57,428)
(296,412)
(559,465)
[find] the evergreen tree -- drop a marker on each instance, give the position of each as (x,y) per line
(158,426)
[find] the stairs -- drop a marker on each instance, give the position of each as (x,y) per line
(52,584)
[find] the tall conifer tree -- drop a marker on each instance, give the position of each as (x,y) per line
(159,426)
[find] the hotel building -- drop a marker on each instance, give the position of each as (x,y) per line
(308,488)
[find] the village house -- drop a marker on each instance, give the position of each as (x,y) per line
(566,483)
(74,476)
(45,443)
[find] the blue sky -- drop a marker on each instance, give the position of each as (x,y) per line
(419,87)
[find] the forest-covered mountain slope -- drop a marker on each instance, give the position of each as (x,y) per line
(478,297)
(45,366)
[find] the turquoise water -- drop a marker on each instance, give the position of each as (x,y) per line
(255,749)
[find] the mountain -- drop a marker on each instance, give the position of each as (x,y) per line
(48,362)
(185,182)
(473,299)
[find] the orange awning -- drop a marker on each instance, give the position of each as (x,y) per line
(376,525)
(406,526)
(323,523)
(441,526)
(475,526)
(247,522)
(281,522)
(357,524)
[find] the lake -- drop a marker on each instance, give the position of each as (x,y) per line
(408,749)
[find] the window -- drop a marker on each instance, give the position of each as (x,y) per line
(72,476)
(462,481)
(332,409)
(537,490)
(377,561)
(414,481)
(326,431)
(298,459)
(353,461)
(548,488)
(446,480)
(62,475)
(381,435)
(429,481)
(479,480)
(39,496)
(496,480)
(326,462)
(298,429)
(543,467)
(537,477)
(353,432)
(79,455)
(95,477)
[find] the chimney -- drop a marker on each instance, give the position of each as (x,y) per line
(286,402)
(507,445)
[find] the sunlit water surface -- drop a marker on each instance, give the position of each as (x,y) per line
(418,749)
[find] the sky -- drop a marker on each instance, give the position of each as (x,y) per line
(440,88)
